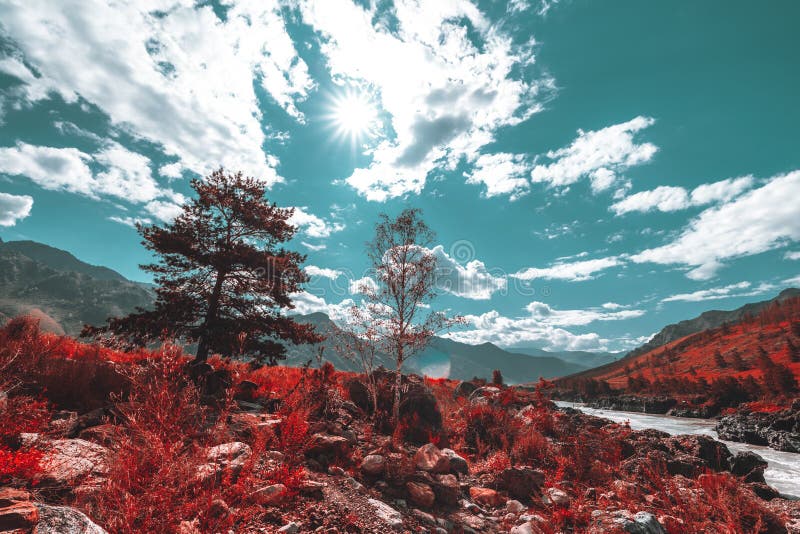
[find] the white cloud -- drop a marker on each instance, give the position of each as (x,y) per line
(669,198)
(163,210)
(795,255)
(471,280)
(14,208)
(503,174)
(305,303)
(543,326)
(57,169)
(444,94)
(311,246)
(763,219)
(165,70)
(598,155)
(357,287)
(794,281)
(171,170)
(313,270)
(576,271)
(742,289)
(312,225)
(130,221)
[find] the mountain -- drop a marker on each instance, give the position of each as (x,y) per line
(441,358)
(729,349)
(708,320)
(582,358)
(59,260)
(64,292)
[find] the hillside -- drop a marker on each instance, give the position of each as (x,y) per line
(748,351)
(581,358)
(441,358)
(709,320)
(64,292)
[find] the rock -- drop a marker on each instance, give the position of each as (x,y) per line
(290,528)
(447,489)
(19,515)
(529,527)
(486,496)
(430,459)
(245,390)
(420,494)
(312,488)
(358,392)
(521,482)
(272,494)
(9,496)
(64,423)
(373,465)
(420,409)
(229,457)
(763,491)
(189,527)
(481,393)
(424,517)
(387,514)
(327,449)
(515,507)
(62,520)
(643,523)
(749,465)
(556,497)
(68,463)
(464,389)
(458,465)
(101,434)
(219,508)
(633,403)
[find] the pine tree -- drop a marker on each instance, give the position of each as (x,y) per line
(221,276)
(719,361)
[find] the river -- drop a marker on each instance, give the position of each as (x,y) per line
(783,471)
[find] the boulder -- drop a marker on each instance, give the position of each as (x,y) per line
(18,516)
(420,494)
(272,494)
(515,507)
(101,434)
(486,496)
(9,496)
(528,527)
(447,489)
(68,463)
(326,449)
(62,519)
(358,392)
(431,459)
(643,523)
(750,466)
(458,465)
(420,410)
(227,457)
(521,482)
(373,465)
(289,528)
(556,497)
(387,514)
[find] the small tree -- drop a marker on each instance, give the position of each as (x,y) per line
(792,350)
(405,282)
(719,361)
(357,340)
(497,377)
(222,277)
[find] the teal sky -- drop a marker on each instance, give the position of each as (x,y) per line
(593,170)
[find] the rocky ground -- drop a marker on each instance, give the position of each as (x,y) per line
(282,450)
(779,429)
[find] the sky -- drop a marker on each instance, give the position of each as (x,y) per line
(593,170)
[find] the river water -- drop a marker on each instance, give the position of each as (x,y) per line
(783,471)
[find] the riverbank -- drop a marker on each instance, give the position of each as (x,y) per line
(783,468)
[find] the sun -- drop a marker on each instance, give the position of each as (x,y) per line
(354,116)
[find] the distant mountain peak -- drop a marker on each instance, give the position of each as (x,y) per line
(59,260)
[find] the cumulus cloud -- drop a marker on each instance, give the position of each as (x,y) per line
(167,70)
(14,208)
(362,285)
(760,220)
(314,226)
(576,271)
(543,326)
(742,289)
(121,174)
(130,221)
(444,94)
(502,174)
(471,280)
(598,155)
(305,303)
(313,270)
(669,198)
(795,255)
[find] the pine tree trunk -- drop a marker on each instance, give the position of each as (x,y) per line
(211,317)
